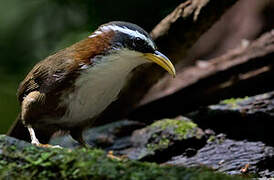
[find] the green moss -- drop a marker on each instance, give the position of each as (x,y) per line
(233,101)
(181,127)
(29,162)
(212,138)
(163,144)
(178,128)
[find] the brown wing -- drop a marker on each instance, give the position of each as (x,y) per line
(56,73)
(47,76)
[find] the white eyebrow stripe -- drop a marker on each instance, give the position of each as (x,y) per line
(123,30)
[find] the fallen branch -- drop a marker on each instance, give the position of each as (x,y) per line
(238,72)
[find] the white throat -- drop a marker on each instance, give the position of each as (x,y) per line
(98,86)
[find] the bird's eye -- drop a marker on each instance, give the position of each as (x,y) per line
(138,42)
(138,39)
(141,45)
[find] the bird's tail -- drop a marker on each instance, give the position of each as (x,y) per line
(18,130)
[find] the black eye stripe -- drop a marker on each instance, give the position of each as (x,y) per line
(133,42)
(139,41)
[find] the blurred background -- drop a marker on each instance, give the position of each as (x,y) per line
(31,30)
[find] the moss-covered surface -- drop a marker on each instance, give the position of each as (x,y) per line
(181,127)
(233,102)
(170,130)
(157,141)
(21,160)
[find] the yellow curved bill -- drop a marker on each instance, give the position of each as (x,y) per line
(162,61)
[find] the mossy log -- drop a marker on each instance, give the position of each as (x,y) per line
(232,157)
(164,139)
(248,118)
(21,160)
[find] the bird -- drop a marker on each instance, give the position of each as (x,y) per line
(67,91)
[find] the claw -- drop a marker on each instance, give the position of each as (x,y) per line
(36,142)
(112,156)
(49,146)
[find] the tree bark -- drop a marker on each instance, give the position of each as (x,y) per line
(240,72)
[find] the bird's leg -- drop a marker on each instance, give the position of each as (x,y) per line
(36,142)
(112,156)
(29,104)
(34,139)
(78,136)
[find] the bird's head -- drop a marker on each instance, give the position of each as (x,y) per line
(129,41)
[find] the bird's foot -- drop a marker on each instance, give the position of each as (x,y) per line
(112,156)
(50,146)
(45,145)
(35,141)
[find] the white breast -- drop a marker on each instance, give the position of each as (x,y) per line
(98,86)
